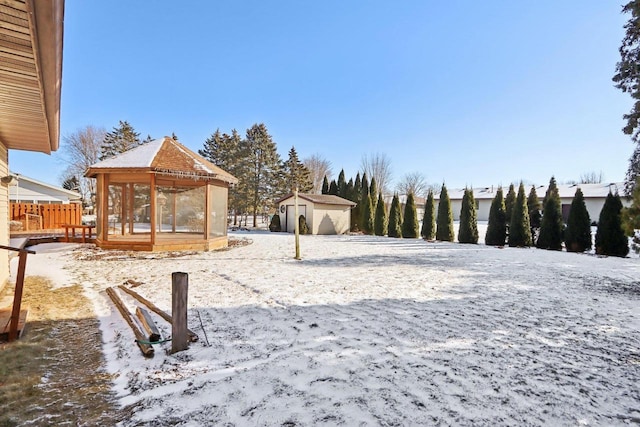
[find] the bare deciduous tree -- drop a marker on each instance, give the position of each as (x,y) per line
(413,183)
(318,167)
(591,177)
(377,166)
(80,150)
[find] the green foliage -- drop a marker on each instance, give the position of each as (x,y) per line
(468,232)
(519,228)
(274,225)
(535,214)
(577,236)
(366,222)
(367,215)
(497,227)
(119,140)
(410,226)
(373,190)
(509,202)
(631,219)
(444,222)
(325,185)
(551,226)
(263,168)
(225,151)
(342,185)
(296,174)
(394,228)
(627,77)
(633,172)
(356,212)
(302,225)
(380,222)
(610,237)
(428,231)
(551,189)
(333,188)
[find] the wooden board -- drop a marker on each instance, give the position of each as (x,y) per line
(5,321)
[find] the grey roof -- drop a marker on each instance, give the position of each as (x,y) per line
(566,191)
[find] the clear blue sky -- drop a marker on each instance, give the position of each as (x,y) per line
(472,93)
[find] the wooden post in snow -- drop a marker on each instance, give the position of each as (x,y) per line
(179,331)
(296,225)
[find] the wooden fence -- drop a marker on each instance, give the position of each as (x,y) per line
(52,215)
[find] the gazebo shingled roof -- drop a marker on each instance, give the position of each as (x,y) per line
(164,156)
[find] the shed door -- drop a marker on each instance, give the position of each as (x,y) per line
(291,216)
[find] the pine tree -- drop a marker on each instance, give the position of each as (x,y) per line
(468,232)
(366,223)
(509,202)
(119,140)
(520,229)
(356,212)
(428,231)
(610,237)
(373,190)
(263,165)
(535,215)
(444,222)
(325,185)
(631,218)
(551,189)
(380,223)
(296,174)
(551,226)
(410,227)
(394,228)
(333,188)
(497,227)
(577,236)
(342,185)
(224,151)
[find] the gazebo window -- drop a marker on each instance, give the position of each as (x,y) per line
(129,210)
(218,211)
(180,209)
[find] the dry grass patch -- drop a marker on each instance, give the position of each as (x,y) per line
(54,375)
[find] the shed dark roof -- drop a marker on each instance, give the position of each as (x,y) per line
(164,156)
(323,199)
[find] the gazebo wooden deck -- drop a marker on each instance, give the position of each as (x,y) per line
(160,196)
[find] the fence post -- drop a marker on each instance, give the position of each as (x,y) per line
(179,331)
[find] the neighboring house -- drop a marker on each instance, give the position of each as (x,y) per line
(594,197)
(30,82)
(324,213)
(28,190)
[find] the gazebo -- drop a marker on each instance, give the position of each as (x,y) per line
(160,196)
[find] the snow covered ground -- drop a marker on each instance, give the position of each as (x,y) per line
(374,331)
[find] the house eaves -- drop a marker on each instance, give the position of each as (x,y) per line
(31,35)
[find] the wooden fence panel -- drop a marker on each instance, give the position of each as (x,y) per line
(53,215)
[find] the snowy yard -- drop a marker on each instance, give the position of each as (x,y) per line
(374,331)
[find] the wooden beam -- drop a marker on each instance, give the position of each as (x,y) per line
(193,337)
(148,324)
(146,349)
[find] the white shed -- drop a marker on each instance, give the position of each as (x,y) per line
(324,213)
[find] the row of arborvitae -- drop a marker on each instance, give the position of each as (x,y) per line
(523,221)
(520,222)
